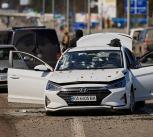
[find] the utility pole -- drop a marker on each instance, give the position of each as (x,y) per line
(89,15)
(67,15)
(43,9)
(101,17)
(53,12)
(128,15)
(147,13)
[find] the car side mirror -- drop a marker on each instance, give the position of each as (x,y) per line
(41,68)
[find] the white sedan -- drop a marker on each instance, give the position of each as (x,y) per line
(101,72)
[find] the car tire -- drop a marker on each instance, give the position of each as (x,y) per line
(51,113)
(132,102)
(48,113)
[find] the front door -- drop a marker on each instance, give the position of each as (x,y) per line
(143,83)
(26,83)
(144,78)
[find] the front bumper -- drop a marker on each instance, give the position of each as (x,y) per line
(86,108)
(116,99)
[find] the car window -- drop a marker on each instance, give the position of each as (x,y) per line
(127,60)
(24,41)
(136,34)
(46,36)
(43,43)
(47,46)
(92,59)
(142,35)
(149,34)
(147,60)
(25,61)
(131,59)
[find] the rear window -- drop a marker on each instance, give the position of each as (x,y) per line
(35,36)
(42,43)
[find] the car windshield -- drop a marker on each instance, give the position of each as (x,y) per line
(91,59)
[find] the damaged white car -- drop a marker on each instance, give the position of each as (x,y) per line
(101,72)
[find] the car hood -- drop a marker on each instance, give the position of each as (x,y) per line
(105,75)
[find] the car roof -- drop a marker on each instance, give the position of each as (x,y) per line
(29,27)
(7,46)
(104,47)
(32,28)
(103,39)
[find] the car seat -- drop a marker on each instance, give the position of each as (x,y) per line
(114,59)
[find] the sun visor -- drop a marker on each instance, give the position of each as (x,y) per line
(103,39)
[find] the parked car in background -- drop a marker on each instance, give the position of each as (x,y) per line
(101,72)
(39,41)
(135,32)
(4,63)
(144,43)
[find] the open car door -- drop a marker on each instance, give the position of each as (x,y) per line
(144,78)
(143,81)
(27,76)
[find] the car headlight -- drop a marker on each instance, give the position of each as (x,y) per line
(118,83)
(52,86)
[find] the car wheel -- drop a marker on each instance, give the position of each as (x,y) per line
(48,113)
(51,113)
(132,102)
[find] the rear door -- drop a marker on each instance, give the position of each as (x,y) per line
(26,83)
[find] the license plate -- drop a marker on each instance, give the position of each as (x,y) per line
(83,98)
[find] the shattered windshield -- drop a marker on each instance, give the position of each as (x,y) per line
(92,59)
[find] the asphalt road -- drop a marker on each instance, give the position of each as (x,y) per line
(25,120)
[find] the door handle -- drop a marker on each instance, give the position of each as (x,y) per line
(14,77)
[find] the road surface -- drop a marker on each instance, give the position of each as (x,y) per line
(22,120)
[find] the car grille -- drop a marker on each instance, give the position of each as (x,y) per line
(100,94)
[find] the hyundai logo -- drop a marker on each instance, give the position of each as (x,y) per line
(83,90)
